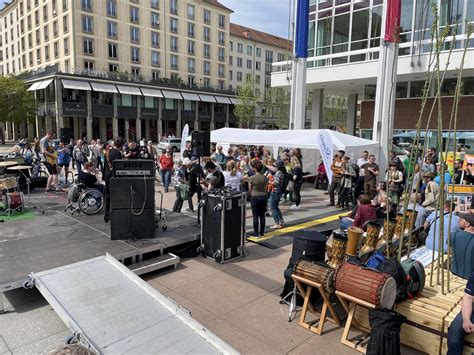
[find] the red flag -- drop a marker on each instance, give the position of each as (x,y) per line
(392,23)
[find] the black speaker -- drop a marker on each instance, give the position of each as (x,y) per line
(201,142)
(132,192)
(65,135)
(127,225)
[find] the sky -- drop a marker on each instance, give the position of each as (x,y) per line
(265,15)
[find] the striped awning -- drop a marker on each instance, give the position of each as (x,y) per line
(76,85)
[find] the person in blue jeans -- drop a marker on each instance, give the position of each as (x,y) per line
(279,172)
(463,324)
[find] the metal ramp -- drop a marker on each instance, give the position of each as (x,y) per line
(113,311)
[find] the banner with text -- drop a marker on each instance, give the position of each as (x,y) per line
(325,148)
(184,136)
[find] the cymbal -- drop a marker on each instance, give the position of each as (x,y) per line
(19,167)
(5,164)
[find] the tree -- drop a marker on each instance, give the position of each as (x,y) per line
(277,105)
(16,104)
(245,107)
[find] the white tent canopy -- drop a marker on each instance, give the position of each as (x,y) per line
(303,138)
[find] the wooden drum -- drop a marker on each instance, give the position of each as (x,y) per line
(373,233)
(354,235)
(8,182)
(338,249)
(389,228)
(318,273)
(368,285)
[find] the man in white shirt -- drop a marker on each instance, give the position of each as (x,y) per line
(359,183)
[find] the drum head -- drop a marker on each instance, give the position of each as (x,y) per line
(388,294)
(329,287)
(339,236)
(311,236)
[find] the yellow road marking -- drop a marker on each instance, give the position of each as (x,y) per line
(297,227)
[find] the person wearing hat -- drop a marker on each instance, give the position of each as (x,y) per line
(394,178)
(279,173)
(430,191)
(166,168)
(462,246)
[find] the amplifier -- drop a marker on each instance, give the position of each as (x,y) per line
(222,225)
(132,192)
(133,167)
(126,225)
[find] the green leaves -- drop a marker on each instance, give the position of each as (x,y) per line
(16,104)
(245,108)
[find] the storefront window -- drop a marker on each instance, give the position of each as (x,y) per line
(416,88)
(402,90)
(370,92)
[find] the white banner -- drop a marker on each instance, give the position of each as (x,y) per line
(184,135)
(325,148)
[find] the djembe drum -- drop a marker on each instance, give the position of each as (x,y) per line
(411,219)
(397,233)
(315,272)
(373,233)
(389,226)
(375,287)
(353,238)
(336,253)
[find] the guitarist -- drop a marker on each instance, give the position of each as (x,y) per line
(50,157)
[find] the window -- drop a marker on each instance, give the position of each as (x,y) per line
(37,19)
(191,12)
(191,65)
(155,58)
(66,23)
(258,65)
(240,48)
(111,8)
(281,57)
(249,64)
(113,51)
(86,5)
(221,70)
(38,56)
(249,50)
(111,29)
(231,60)
(222,38)
(88,65)
(257,79)
(38,38)
(231,45)
(155,75)
(88,46)
(248,78)
(207,16)
(174,7)
(230,75)
(191,50)
(55,28)
(134,14)
(207,51)
(135,54)
(45,12)
(155,20)
(239,62)
(174,43)
(56,49)
(221,21)
(113,68)
(174,25)
(65,5)
(258,52)
(206,82)
(239,76)
(155,4)
(46,33)
(87,24)
(134,34)
(207,34)
(191,29)
(46,54)
(269,56)
(221,54)
(66,46)
(174,61)
(155,39)
(207,68)
(135,74)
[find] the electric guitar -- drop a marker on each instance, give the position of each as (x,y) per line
(51,159)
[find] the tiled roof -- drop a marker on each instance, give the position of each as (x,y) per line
(259,36)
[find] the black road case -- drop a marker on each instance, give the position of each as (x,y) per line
(222,225)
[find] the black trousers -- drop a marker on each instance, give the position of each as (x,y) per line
(359,187)
(190,197)
(297,193)
(178,203)
(335,184)
(259,207)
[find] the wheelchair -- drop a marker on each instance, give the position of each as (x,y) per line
(89,201)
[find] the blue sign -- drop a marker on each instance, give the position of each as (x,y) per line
(302,28)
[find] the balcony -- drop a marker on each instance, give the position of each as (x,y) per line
(126,112)
(149,113)
(170,115)
(102,110)
(74,109)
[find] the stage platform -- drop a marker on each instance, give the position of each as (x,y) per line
(53,238)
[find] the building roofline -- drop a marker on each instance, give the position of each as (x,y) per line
(216,3)
(6,5)
(259,36)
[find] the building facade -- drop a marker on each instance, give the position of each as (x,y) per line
(251,54)
(67,49)
(343,59)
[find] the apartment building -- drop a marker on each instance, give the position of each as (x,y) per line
(251,54)
(88,59)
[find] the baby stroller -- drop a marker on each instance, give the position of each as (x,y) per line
(321,181)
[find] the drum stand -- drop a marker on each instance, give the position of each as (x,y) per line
(28,183)
(350,304)
(327,306)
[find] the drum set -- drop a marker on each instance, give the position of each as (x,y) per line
(14,177)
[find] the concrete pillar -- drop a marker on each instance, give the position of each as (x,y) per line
(58,105)
(147,133)
(103,129)
(115,119)
(160,118)
(31,131)
(317,109)
(178,122)
(9,133)
(89,116)
(351,115)
(77,128)
(39,126)
(227,115)
(138,123)
(213,122)
(127,129)
(14,131)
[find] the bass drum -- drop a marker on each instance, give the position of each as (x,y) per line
(15,200)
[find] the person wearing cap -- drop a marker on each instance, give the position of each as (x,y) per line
(279,172)
(462,246)
(450,224)
(463,324)
(394,178)
(166,168)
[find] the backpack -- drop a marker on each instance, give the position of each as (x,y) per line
(375,259)
(415,275)
(392,267)
(356,170)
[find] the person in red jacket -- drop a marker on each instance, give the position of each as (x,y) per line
(166,167)
(363,212)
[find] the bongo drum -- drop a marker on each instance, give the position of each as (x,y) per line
(15,200)
(336,254)
(354,234)
(317,273)
(369,285)
(373,233)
